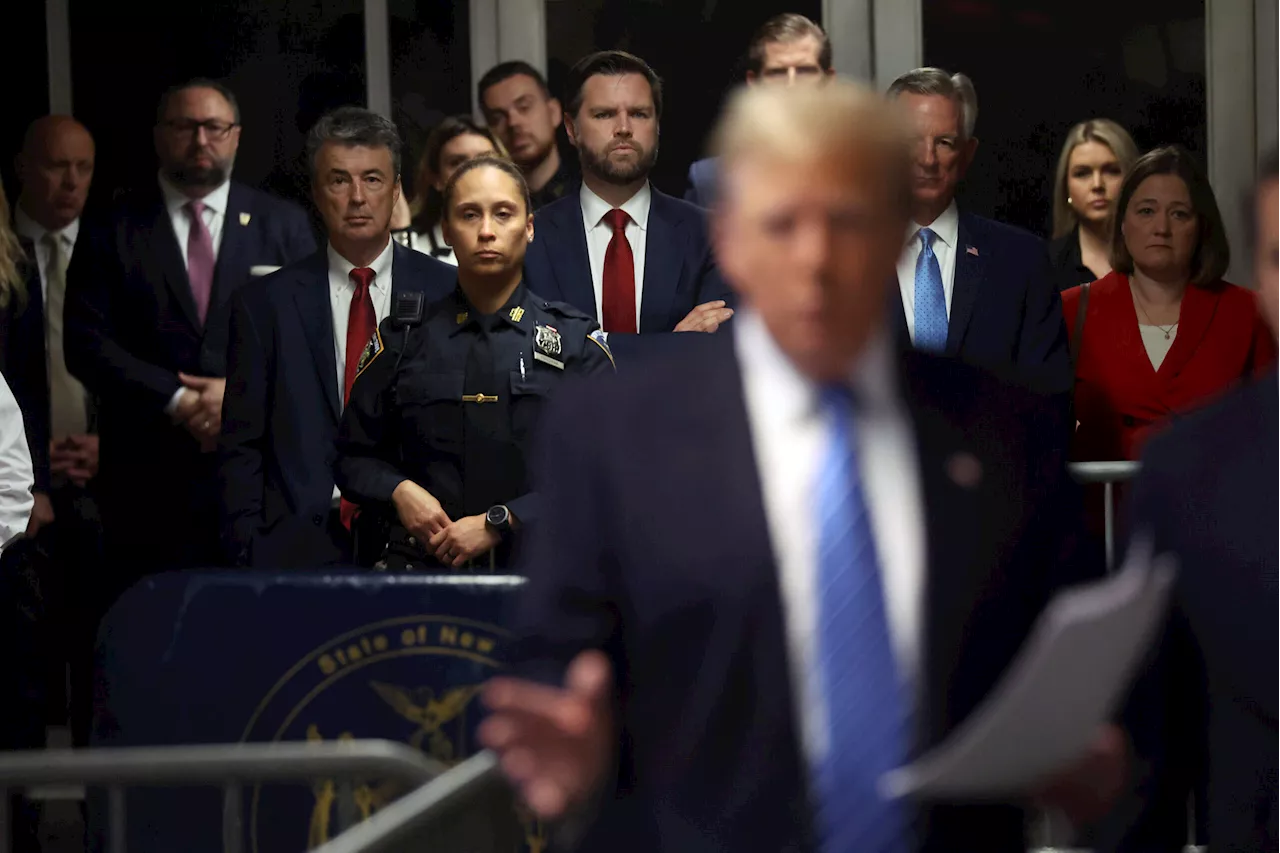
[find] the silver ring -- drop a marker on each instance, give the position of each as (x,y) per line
(208,424)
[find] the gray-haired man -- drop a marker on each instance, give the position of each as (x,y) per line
(970,287)
(295,348)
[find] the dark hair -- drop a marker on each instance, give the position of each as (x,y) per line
(198,83)
(787,27)
(505,71)
(1212,255)
(610,63)
(502,165)
(428,203)
(351,126)
(1268,173)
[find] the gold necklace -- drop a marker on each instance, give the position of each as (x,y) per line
(1137,300)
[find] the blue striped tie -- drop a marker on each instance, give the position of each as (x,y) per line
(931,300)
(866,702)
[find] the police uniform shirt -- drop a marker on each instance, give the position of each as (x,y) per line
(452,403)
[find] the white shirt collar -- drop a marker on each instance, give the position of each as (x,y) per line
(873,378)
(34,231)
(175,201)
(637,207)
(946,226)
(381,265)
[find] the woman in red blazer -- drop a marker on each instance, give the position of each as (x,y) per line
(1163,333)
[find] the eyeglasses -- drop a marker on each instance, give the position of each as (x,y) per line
(215,130)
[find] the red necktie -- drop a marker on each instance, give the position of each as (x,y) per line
(619,301)
(361,324)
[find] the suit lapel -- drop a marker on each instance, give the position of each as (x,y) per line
(311,295)
(567,254)
(169,256)
(1199,304)
(897,316)
(231,250)
(964,293)
(950,474)
(664,245)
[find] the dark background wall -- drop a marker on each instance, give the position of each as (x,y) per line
(1040,66)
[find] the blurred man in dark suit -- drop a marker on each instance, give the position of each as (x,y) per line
(779,563)
(637,260)
(1209,492)
(56,171)
(788,50)
(146,330)
(294,345)
(968,286)
(519,108)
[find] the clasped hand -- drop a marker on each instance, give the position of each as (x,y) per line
(453,543)
(200,408)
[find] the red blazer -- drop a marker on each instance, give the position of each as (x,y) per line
(1120,397)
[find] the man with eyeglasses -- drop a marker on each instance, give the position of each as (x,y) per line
(146,323)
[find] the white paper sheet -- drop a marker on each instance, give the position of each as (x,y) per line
(1065,682)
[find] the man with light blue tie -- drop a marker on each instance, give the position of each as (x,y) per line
(785,560)
(970,287)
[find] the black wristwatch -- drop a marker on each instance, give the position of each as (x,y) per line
(498,519)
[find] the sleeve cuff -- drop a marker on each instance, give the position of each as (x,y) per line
(173,401)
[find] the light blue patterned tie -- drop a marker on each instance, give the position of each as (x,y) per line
(866,702)
(931,300)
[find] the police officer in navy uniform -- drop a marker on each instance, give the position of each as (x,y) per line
(437,430)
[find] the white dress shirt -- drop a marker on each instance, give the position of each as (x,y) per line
(599,234)
(789,435)
(446,252)
(947,229)
(16,477)
(341,291)
(214,214)
(35,232)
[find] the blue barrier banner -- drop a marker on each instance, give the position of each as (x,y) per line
(226,657)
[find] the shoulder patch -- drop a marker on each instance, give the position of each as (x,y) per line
(372,350)
(601,340)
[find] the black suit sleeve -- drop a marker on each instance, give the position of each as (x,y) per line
(1043,352)
(244,414)
(1164,715)
(94,355)
(26,372)
(368,440)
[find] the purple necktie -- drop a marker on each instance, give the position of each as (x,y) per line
(200,259)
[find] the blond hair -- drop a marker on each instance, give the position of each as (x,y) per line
(1104,131)
(805,122)
(13,287)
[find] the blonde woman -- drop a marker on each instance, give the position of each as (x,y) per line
(1093,163)
(22,354)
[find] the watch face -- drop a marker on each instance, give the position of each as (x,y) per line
(497,515)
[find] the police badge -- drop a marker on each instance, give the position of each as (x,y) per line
(547,348)
(371,351)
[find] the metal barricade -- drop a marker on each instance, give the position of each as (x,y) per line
(229,765)
(412,816)
(1108,474)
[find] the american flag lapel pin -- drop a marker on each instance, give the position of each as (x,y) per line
(244,218)
(971,250)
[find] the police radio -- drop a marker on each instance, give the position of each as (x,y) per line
(407,313)
(408,309)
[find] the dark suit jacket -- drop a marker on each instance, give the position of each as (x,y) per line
(282,409)
(679,271)
(654,547)
(131,326)
(703,182)
(23,363)
(1005,311)
(1208,493)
